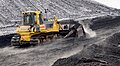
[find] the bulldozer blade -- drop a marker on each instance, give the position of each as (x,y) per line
(71,32)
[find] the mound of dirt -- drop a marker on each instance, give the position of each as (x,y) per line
(106,53)
(105,22)
(80,62)
(5,40)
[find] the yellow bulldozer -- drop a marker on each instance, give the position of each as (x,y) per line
(35,29)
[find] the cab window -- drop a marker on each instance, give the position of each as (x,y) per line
(29,18)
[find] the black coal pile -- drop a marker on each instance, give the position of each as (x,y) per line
(5,40)
(105,22)
(105,52)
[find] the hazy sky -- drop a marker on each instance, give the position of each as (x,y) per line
(111,3)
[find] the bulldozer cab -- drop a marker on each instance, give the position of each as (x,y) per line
(37,20)
(29,18)
(32,17)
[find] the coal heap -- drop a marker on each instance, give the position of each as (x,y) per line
(5,40)
(103,53)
